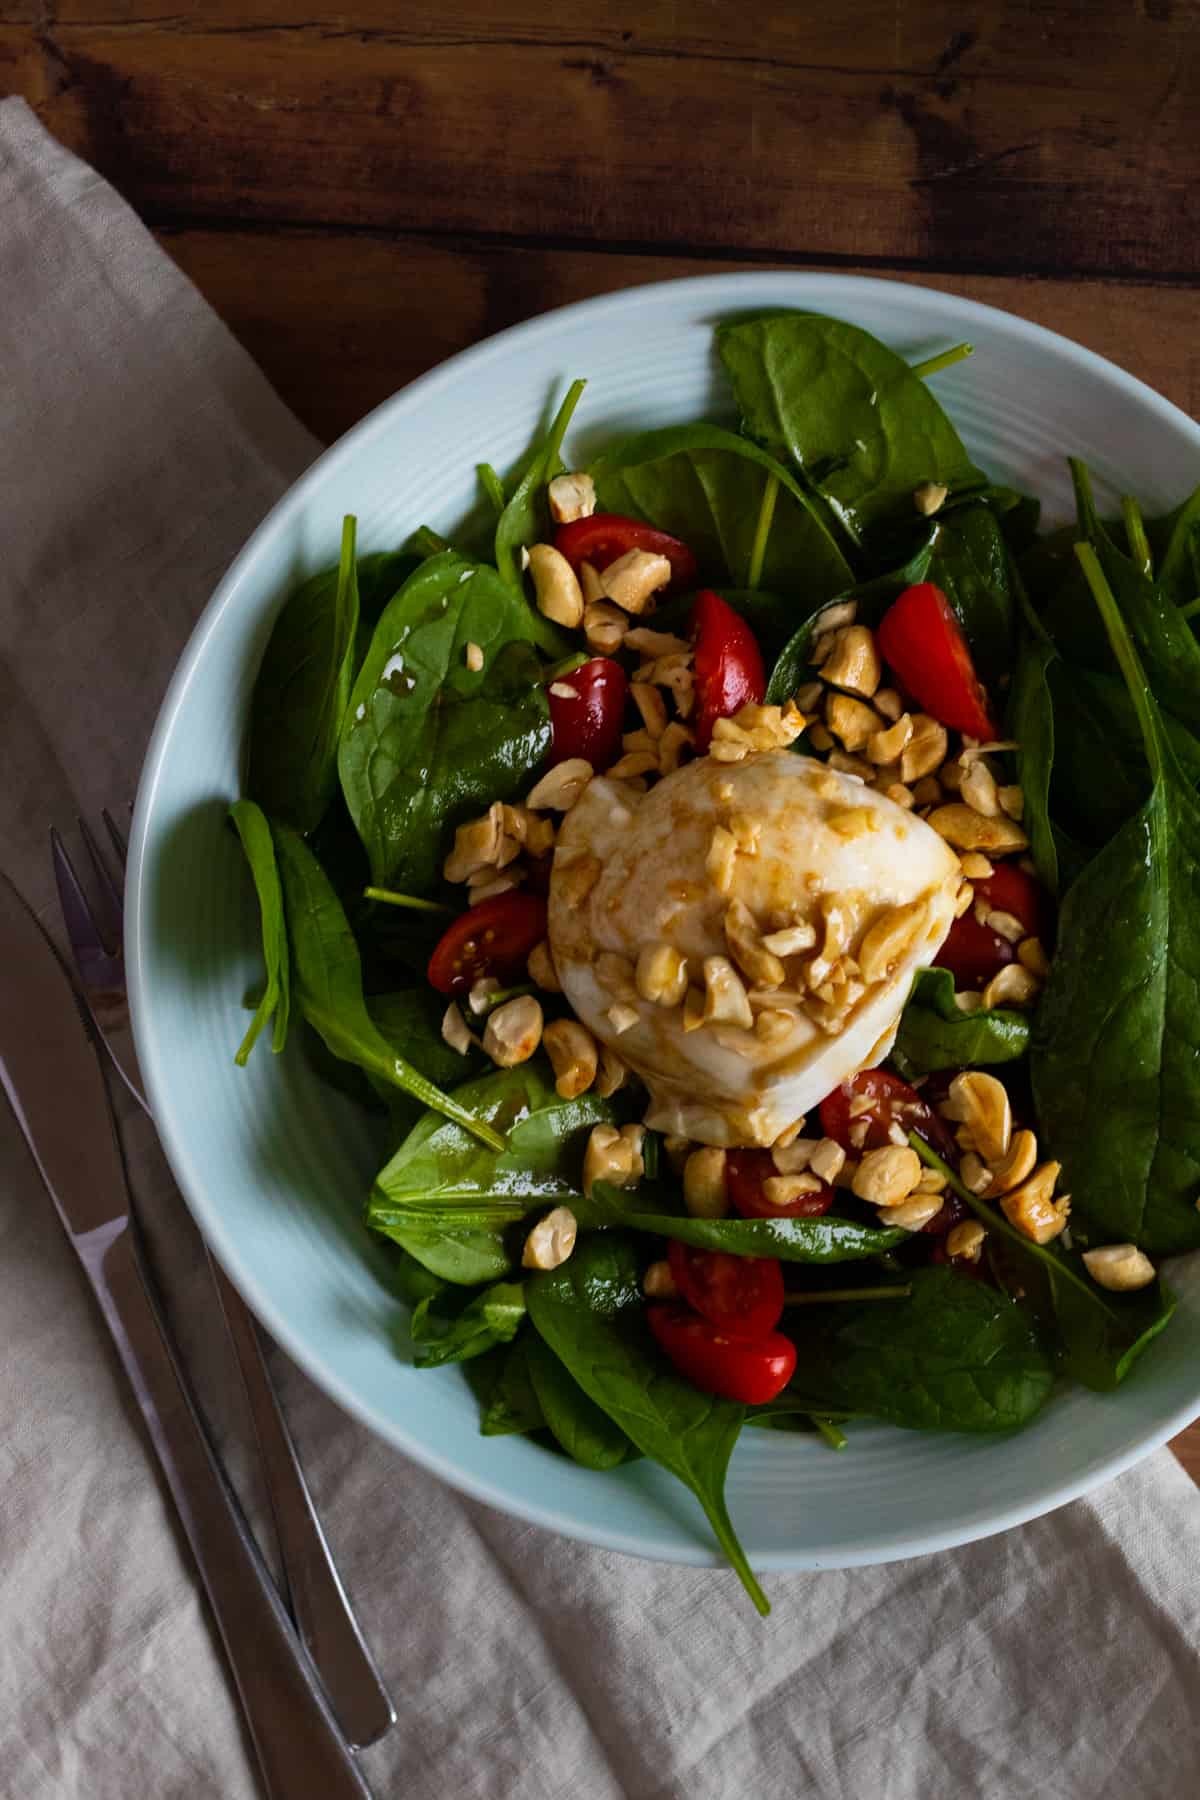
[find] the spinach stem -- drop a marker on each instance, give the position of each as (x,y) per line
(576,660)
(844,1294)
(944,360)
(835,1438)
(1127,657)
(762,531)
(1135,531)
(390,898)
(1191,609)
(492,486)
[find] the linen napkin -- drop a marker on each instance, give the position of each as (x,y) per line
(138,447)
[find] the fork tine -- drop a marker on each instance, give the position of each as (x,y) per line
(78,917)
(116,838)
(109,914)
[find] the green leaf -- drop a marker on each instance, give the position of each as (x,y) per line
(493,488)
(1179,570)
(411,1021)
(583,1429)
(824,1240)
(793,666)
(452,1335)
(862,428)
(707,486)
(1100,775)
(327,982)
(524,520)
(255,834)
(428,742)
(1101,1335)
(968,559)
(771,617)
(301,694)
(512,1405)
(1031,725)
(934,1034)
(412,1281)
(591,1314)
(956,1356)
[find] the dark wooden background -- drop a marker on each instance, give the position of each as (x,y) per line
(362,192)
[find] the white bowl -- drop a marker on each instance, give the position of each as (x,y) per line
(276,1167)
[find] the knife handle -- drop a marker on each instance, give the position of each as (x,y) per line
(323,1615)
(300,1749)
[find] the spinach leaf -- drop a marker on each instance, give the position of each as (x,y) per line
(1116,1046)
(872,598)
(428,741)
(255,834)
(455,1334)
(824,1240)
(413,1282)
(1100,775)
(512,1405)
(1032,726)
(1101,1335)
(934,1034)
(707,486)
(1179,570)
(493,489)
(584,1430)
(524,519)
(301,693)
(955,1356)
(771,617)
(466,1256)
(590,1312)
(411,1021)
(863,428)
(969,560)
(327,983)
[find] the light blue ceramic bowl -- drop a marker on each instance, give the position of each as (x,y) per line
(275,1166)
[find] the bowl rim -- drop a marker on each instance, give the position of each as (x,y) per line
(725,291)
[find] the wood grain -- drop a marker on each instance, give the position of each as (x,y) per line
(1038,137)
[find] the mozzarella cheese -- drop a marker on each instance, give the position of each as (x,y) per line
(812,848)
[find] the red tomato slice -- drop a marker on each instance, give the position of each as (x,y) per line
(920,638)
(745,1172)
(729,665)
(740,1295)
(893,1102)
(604,537)
(589,721)
(709,1359)
(972,952)
(493,938)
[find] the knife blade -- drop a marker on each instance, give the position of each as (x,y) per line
(51,1073)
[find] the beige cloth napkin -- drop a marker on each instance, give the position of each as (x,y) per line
(138,447)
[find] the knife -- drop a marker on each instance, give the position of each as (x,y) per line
(51,1073)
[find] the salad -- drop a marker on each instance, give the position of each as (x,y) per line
(751,884)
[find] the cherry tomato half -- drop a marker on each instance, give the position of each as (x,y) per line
(740,1295)
(893,1102)
(717,1363)
(729,665)
(972,952)
(604,537)
(745,1172)
(588,721)
(920,638)
(493,938)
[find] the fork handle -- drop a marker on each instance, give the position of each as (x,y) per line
(300,1749)
(319,1605)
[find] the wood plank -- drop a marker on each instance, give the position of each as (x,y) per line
(340,321)
(1187,1448)
(1055,138)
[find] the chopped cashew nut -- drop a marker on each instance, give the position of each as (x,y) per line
(1119,1267)
(613,1157)
(853,661)
(541,970)
(513,1031)
(671,746)
(726,1001)
(828,1160)
(648,642)
(651,705)
(912,1214)
(980,1102)
(561,786)
(474,658)
(852,720)
(887,1176)
(705,1193)
(925,750)
(476,845)
(457,1033)
(885,700)
(782,1190)
(622,1018)
(761,965)
(641,762)
(604,625)
(978,788)
(571,497)
(612,1073)
(966,829)
(658,1283)
(927,789)
(559,595)
(573,1056)
(889,939)
(1016,1167)
(884,747)
(1012,801)
(1031,954)
(719,863)
(791,940)
(661,974)
(1032,1209)
(929,497)
(551,1241)
(1012,985)
(793,1158)
(634,578)
(976,867)
(965,1241)
(1005,925)
(481,993)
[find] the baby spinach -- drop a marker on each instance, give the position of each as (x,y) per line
(863,429)
(1100,1335)
(327,983)
(301,693)
(935,1034)
(1179,570)
(255,834)
(524,518)
(1031,725)
(583,1429)
(824,1240)
(411,1021)
(511,1405)
(967,557)
(590,1312)
(955,1356)
(1116,1049)
(427,741)
(706,486)
(444,1333)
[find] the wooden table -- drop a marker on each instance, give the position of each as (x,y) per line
(364,193)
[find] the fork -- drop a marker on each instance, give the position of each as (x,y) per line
(316,1597)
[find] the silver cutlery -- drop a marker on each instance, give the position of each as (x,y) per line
(51,1071)
(317,1599)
